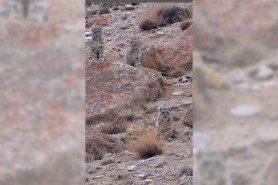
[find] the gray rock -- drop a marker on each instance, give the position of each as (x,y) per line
(129,7)
(264,72)
(89,167)
(131,168)
(244,110)
(177,93)
(160,104)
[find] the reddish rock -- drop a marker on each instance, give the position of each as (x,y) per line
(175,54)
(101,20)
(110,86)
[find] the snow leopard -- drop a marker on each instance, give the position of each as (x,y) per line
(133,54)
(164,120)
(97,45)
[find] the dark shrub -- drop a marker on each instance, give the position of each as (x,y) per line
(148,24)
(171,15)
(104,11)
(185,25)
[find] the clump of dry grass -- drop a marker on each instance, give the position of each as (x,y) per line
(176,73)
(166,82)
(115,128)
(163,14)
(95,148)
(146,144)
(148,24)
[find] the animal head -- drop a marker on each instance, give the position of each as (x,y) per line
(212,165)
(97,33)
(165,113)
(135,44)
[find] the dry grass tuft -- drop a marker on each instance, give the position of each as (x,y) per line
(115,128)
(98,167)
(166,82)
(95,149)
(163,14)
(148,24)
(146,144)
(176,73)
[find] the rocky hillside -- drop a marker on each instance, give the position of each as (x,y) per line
(122,101)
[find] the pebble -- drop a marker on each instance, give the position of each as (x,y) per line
(129,7)
(177,93)
(160,104)
(148,181)
(264,72)
(244,110)
(131,168)
(160,33)
(88,168)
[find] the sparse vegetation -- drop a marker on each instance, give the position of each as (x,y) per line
(187,171)
(95,149)
(116,8)
(160,90)
(166,82)
(98,167)
(171,15)
(185,25)
(213,78)
(148,25)
(146,145)
(163,14)
(176,73)
(115,128)
(104,11)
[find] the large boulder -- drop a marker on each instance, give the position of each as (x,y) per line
(111,86)
(175,54)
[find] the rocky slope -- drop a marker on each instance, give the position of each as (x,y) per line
(111,86)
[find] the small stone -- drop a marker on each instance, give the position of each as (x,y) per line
(177,93)
(87,33)
(244,110)
(129,7)
(160,104)
(128,13)
(264,72)
(148,181)
(256,87)
(160,33)
(109,39)
(88,168)
(110,161)
(186,102)
(159,163)
(184,79)
(88,38)
(131,168)
(150,159)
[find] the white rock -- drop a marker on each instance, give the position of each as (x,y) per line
(256,87)
(160,33)
(109,39)
(244,110)
(148,181)
(89,38)
(264,72)
(184,79)
(88,33)
(160,104)
(132,167)
(177,93)
(128,13)
(150,159)
(129,7)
